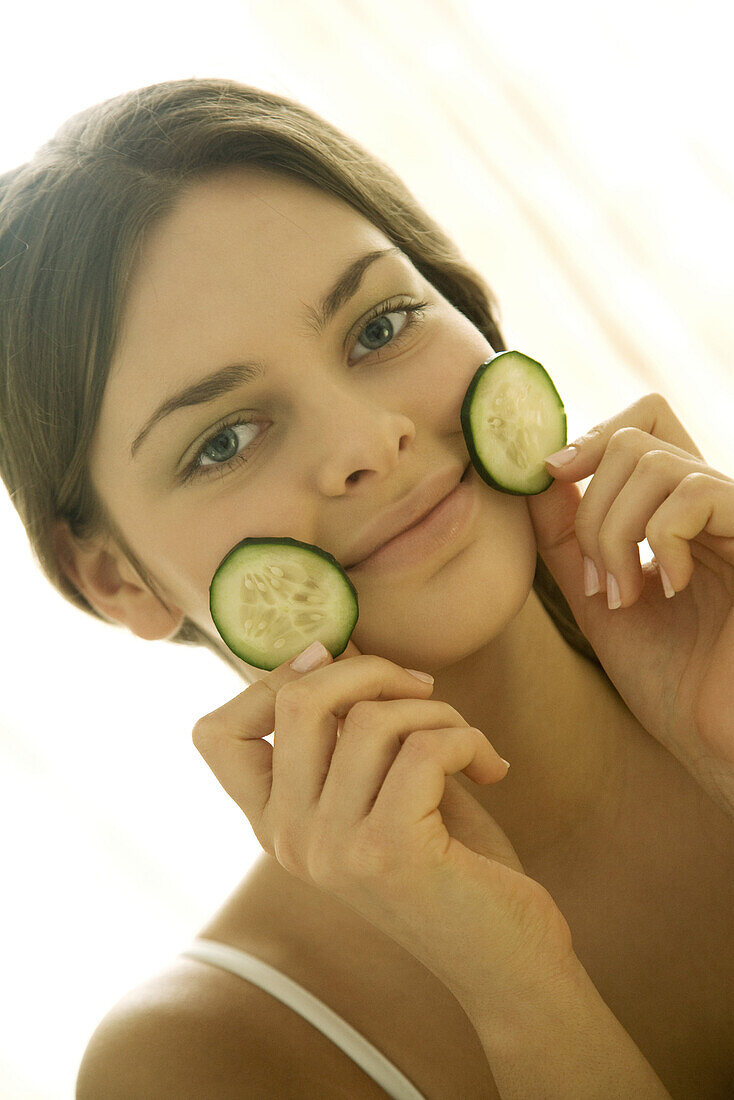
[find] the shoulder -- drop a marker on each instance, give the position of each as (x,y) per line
(195,1030)
(180,1034)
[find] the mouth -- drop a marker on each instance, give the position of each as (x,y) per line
(434,529)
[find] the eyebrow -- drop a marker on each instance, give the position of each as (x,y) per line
(230,377)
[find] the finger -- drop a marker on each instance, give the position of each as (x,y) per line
(306,716)
(651,414)
(230,739)
(629,486)
(414,785)
(371,739)
(699,505)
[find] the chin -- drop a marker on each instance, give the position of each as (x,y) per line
(430,635)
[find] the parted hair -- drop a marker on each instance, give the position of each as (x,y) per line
(71,222)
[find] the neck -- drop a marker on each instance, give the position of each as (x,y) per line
(555,717)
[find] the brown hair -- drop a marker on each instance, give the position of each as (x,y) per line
(71,221)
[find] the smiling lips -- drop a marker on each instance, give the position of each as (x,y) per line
(407,513)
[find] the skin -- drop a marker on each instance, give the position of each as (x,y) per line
(340,437)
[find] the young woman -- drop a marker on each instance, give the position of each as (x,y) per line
(231,320)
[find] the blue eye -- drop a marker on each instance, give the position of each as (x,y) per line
(223,440)
(221,448)
(378,326)
(221,445)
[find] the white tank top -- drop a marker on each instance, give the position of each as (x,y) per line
(261,974)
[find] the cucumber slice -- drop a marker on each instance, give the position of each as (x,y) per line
(512,417)
(271,597)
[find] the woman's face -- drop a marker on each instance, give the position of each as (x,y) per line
(340,424)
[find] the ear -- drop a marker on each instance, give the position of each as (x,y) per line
(102,573)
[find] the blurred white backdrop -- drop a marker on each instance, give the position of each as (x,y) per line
(581,156)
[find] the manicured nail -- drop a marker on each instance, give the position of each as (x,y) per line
(310,657)
(563,457)
(420,675)
(507,762)
(667,586)
(591,578)
(613,598)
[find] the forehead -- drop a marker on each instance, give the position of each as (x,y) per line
(239,237)
(257,222)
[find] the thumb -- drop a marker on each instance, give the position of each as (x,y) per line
(468,822)
(553,516)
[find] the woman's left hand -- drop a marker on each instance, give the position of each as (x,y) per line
(670,658)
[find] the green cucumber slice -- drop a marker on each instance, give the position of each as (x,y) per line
(271,597)
(512,417)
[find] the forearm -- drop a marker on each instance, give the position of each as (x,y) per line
(568,1042)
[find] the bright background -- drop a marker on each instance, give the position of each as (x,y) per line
(581,156)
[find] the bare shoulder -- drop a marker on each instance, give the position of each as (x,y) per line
(196,1030)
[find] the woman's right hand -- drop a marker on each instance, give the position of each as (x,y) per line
(356,797)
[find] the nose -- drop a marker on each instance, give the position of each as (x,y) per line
(359,475)
(355,437)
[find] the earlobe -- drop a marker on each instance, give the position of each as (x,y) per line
(64,543)
(103,575)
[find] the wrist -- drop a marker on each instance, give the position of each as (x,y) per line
(561,1039)
(554,979)
(557,983)
(539,964)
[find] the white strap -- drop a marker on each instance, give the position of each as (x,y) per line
(254,970)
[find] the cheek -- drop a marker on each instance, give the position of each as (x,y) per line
(449,363)
(228,513)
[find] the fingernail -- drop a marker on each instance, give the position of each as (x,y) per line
(310,657)
(420,675)
(563,457)
(613,597)
(591,578)
(507,762)
(667,586)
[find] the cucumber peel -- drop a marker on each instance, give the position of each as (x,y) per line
(270,598)
(512,417)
